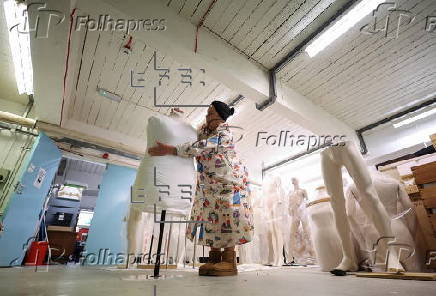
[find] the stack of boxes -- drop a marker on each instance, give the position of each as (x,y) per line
(425,202)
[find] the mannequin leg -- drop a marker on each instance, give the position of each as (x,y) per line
(132,223)
(370,203)
(278,237)
(306,234)
(294,228)
(270,239)
(332,175)
(278,248)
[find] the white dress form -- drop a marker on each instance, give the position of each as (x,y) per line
(255,251)
(273,220)
(403,221)
(134,239)
(297,213)
(140,229)
(324,234)
(332,161)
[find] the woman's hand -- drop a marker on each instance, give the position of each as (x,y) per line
(162,149)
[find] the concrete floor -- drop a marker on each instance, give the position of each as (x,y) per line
(63,281)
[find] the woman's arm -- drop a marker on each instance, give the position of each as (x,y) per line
(162,149)
(223,140)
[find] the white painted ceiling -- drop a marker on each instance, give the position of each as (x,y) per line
(359,78)
(104,64)
(363,78)
(8,85)
(85,166)
(264,30)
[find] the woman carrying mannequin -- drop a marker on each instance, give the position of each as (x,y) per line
(222,194)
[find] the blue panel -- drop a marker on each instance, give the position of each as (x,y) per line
(23,212)
(108,228)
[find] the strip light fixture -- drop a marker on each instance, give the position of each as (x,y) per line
(345,23)
(108,95)
(415,118)
(19,42)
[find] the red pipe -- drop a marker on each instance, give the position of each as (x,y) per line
(200,24)
(66,62)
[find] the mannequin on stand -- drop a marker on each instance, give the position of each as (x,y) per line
(256,251)
(401,212)
(332,160)
(273,221)
(324,235)
(297,212)
(134,239)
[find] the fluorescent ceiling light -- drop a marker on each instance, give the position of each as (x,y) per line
(345,23)
(415,118)
(107,94)
(16,20)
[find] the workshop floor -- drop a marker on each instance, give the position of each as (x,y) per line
(289,281)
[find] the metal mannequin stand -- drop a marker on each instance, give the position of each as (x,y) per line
(159,244)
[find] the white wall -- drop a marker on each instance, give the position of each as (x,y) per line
(387,139)
(307,170)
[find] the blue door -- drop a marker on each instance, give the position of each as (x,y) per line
(107,236)
(25,206)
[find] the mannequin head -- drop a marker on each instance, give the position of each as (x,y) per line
(295,182)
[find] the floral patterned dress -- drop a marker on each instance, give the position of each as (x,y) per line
(222,193)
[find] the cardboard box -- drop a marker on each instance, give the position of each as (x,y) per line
(428,196)
(432,219)
(425,174)
(411,189)
(425,224)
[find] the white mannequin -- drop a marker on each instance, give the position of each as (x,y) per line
(297,207)
(332,160)
(255,252)
(323,232)
(396,201)
(273,219)
(140,228)
(134,239)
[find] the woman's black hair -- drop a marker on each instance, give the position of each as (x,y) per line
(223,109)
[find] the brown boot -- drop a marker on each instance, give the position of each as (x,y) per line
(227,266)
(214,257)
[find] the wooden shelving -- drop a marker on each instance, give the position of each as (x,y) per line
(425,202)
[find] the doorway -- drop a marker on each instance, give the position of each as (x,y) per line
(71,206)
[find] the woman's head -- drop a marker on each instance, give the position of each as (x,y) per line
(218,112)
